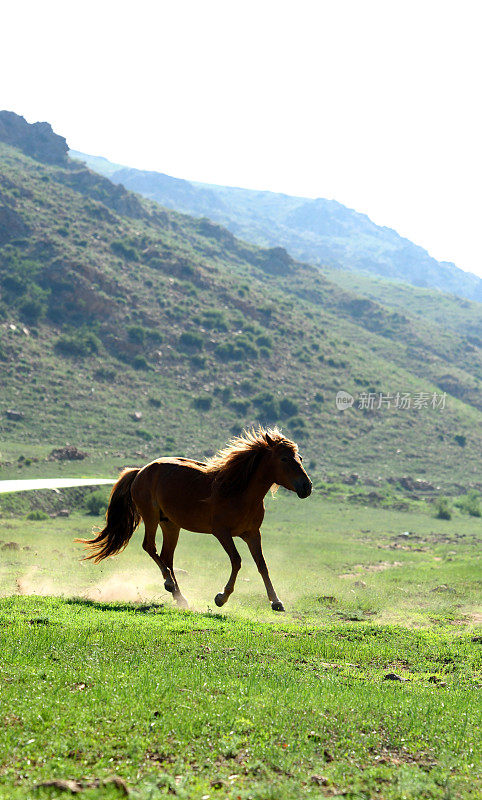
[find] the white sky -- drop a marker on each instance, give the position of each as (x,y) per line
(376,103)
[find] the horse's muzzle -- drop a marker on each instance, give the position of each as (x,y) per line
(303,488)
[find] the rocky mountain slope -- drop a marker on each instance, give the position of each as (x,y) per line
(320,231)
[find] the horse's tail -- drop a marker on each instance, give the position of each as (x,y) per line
(121,520)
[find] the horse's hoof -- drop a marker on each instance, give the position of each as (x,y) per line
(219,600)
(169,586)
(277,605)
(182,602)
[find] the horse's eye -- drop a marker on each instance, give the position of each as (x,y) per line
(301,458)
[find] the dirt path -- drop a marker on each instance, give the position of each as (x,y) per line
(51,483)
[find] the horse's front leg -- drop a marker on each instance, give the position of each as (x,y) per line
(227,541)
(253,540)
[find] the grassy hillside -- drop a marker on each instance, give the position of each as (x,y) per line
(132,331)
(320,231)
(440,308)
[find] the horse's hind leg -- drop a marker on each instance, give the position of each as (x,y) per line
(151,521)
(170,533)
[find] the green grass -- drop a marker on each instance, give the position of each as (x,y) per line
(173,701)
(255,704)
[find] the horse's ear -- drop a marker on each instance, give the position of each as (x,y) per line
(269,439)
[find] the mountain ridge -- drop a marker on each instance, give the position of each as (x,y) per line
(319,231)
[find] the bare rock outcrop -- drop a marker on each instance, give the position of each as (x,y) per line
(36,140)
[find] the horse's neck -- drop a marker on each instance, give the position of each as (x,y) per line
(260,484)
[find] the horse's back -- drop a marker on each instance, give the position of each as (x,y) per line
(171,471)
(179,487)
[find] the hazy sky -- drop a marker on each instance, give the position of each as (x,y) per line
(373,103)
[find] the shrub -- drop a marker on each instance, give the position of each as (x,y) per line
(443,509)
(139,362)
(241,349)
(288,407)
(247,386)
(37,515)
(154,335)
(297,426)
(91,343)
(96,503)
(136,334)
(187,287)
(107,374)
(267,405)
(470,504)
(264,341)
(189,340)
(265,310)
(155,402)
(214,320)
(32,309)
(248,348)
(124,250)
(228,352)
(142,434)
(297,423)
(203,403)
(83,344)
(198,362)
(224,392)
(461,439)
(15,284)
(240,406)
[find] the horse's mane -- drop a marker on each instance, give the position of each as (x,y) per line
(233,466)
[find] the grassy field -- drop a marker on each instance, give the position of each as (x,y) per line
(109,679)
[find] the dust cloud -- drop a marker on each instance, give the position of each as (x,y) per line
(126,586)
(123,587)
(31,582)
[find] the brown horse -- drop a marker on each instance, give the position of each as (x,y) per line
(223,496)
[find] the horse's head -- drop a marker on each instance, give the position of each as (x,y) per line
(287,468)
